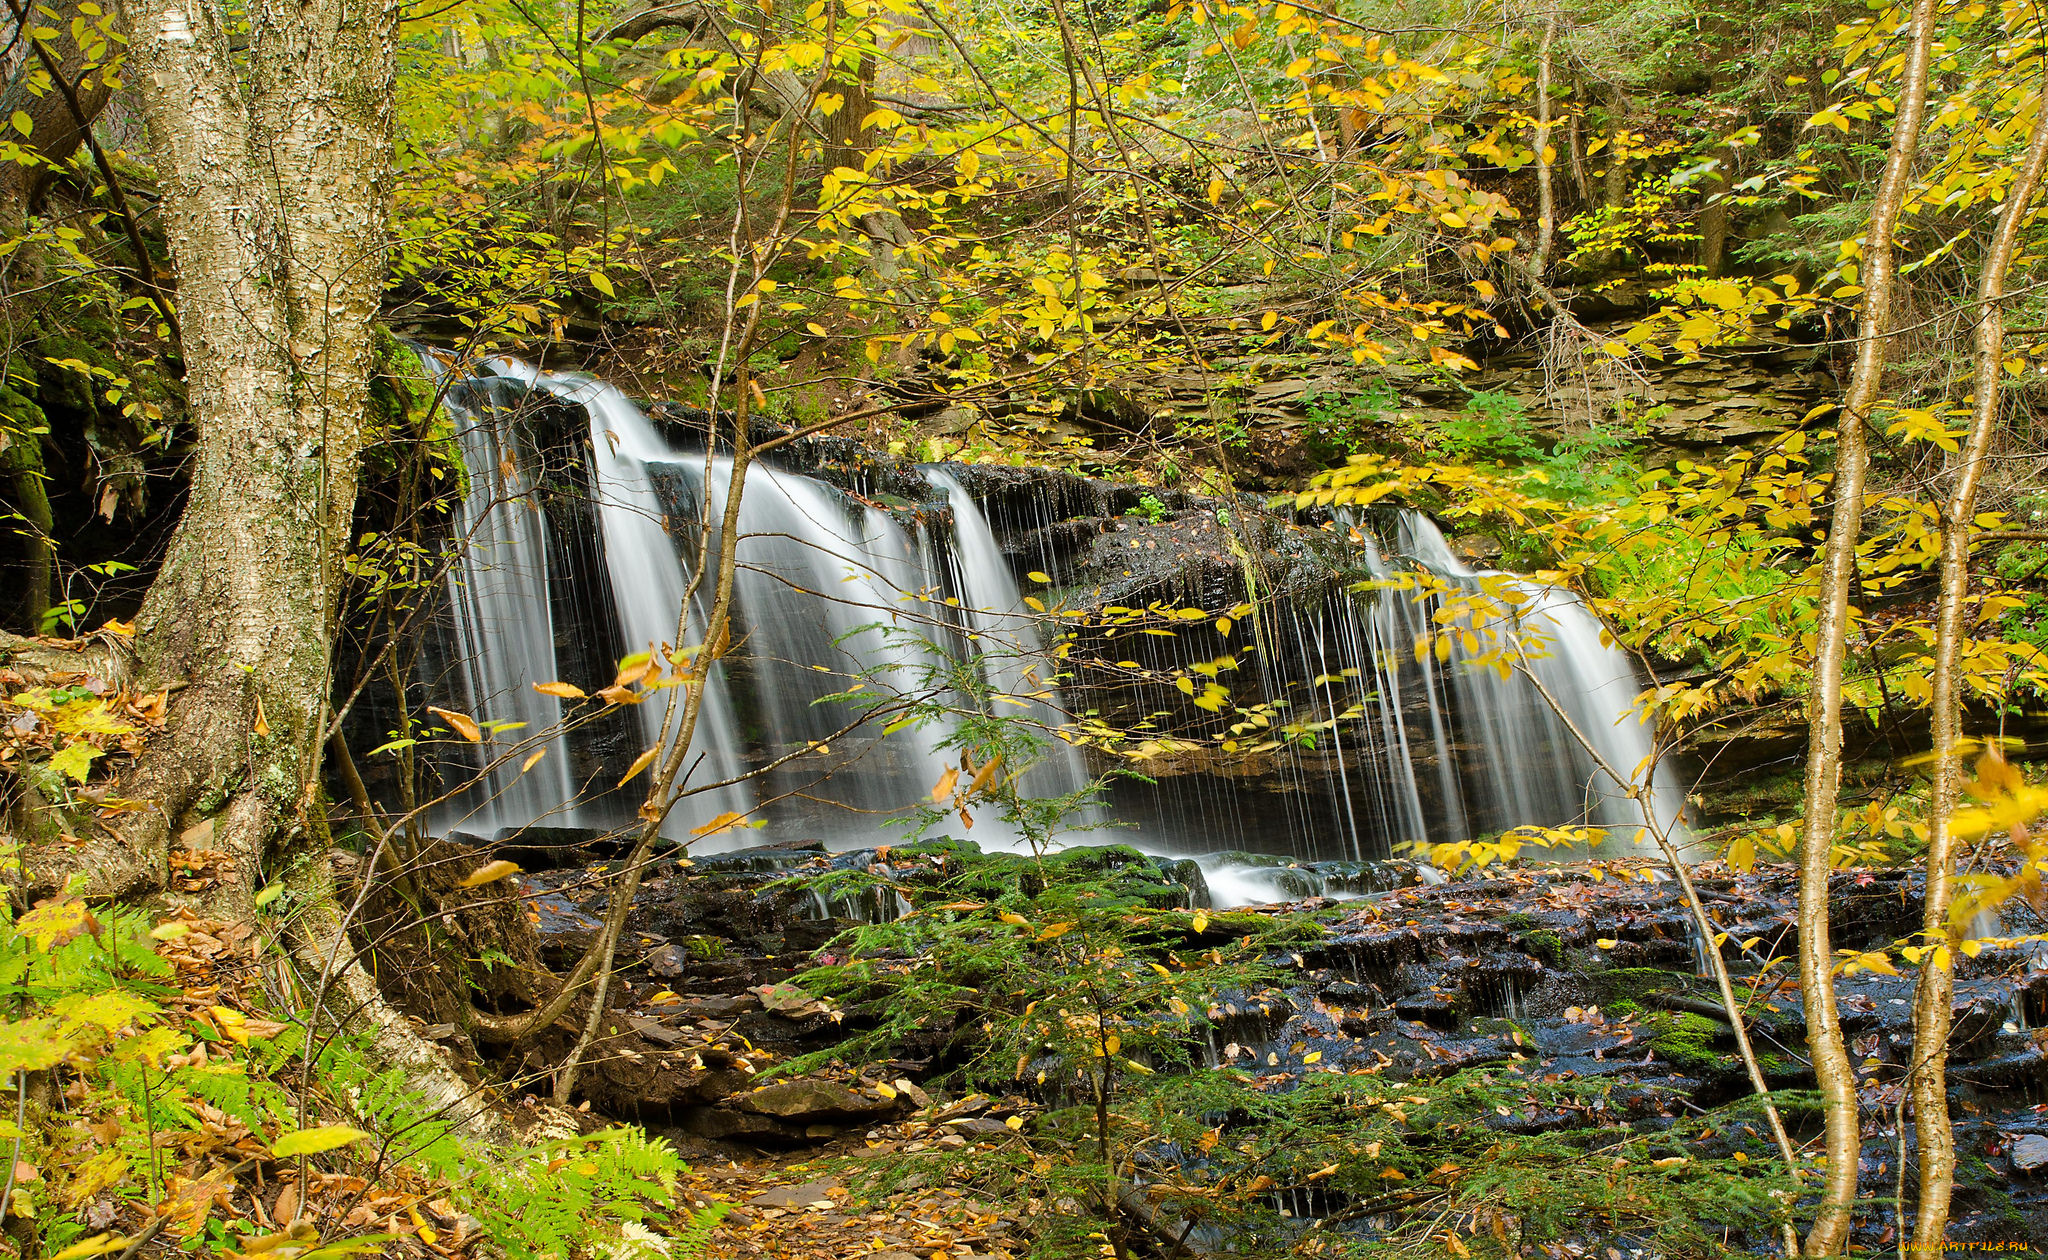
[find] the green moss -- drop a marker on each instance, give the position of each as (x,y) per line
(1520,922)
(1633,983)
(704,947)
(1543,944)
(1684,1040)
(402,412)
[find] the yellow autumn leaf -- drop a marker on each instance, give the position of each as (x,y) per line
(314,1141)
(462,724)
(231,1024)
(488,873)
(1742,854)
(640,763)
(97,1245)
(723,823)
(562,690)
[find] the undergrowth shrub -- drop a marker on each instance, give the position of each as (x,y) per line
(155,1078)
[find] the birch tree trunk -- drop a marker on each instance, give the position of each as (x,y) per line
(1934,994)
(276,173)
(1830,1053)
(276,179)
(1546,196)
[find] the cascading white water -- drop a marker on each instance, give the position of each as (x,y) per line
(1004,636)
(649,584)
(1565,662)
(503,625)
(829,599)
(836,594)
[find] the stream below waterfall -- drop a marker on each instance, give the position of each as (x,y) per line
(840,703)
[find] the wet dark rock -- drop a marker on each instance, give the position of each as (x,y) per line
(566,932)
(669,962)
(1437,1008)
(556,848)
(2029,1152)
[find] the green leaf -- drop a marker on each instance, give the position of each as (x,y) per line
(22,122)
(603,283)
(327,1137)
(269,894)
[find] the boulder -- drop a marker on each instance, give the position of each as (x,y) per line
(795,1197)
(812,1100)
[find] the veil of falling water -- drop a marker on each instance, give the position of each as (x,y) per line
(834,593)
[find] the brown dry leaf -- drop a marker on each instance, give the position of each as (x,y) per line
(190,1201)
(285,1208)
(636,671)
(983,775)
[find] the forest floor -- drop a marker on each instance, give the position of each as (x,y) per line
(800,1204)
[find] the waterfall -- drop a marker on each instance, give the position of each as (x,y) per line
(840,602)
(649,583)
(1003,635)
(502,622)
(833,596)
(1565,660)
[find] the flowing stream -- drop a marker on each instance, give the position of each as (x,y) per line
(912,619)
